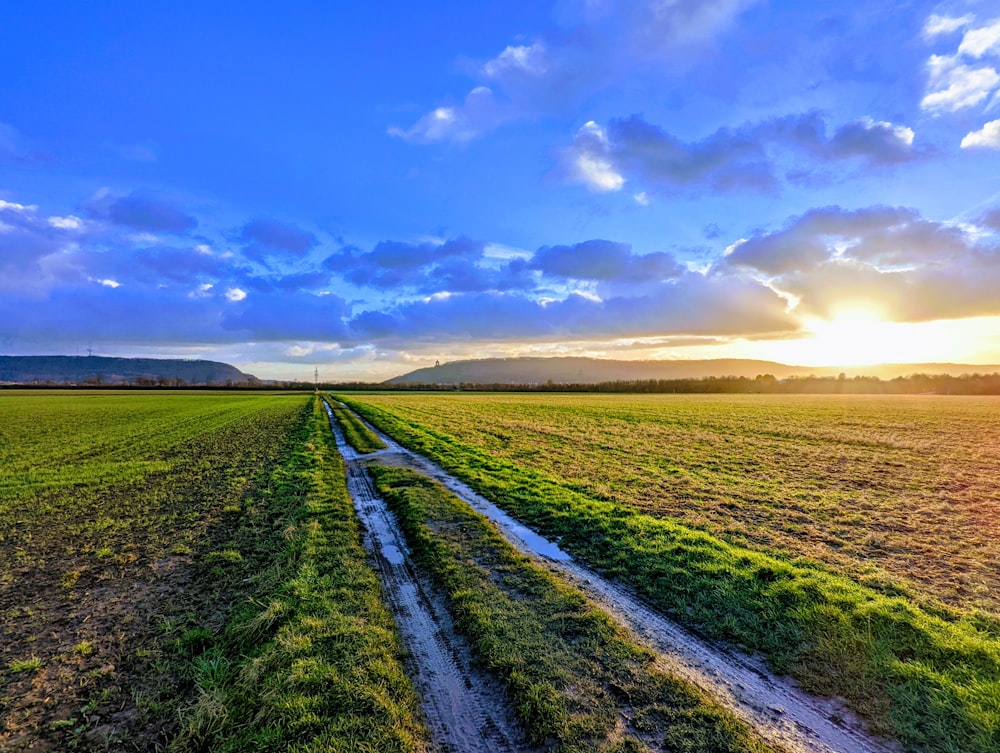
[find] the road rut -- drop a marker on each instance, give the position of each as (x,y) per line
(781,713)
(464,709)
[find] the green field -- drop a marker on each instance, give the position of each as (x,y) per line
(169,566)
(852,541)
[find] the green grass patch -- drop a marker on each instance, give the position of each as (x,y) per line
(313,662)
(576,680)
(359,436)
(931,678)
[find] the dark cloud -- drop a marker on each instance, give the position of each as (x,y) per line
(690,305)
(992,219)
(747,157)
(140,211)
(456,265)
(70,315)
(888,258)
(806,242)
(288,316)
(269,239)
(155,265)
(605,261)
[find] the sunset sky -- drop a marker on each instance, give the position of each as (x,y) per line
(369,187)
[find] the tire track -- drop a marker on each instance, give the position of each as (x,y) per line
(465,711)
(782,713)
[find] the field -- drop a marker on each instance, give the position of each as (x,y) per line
(186,571)
(168,560)
(851,541)
(885,489)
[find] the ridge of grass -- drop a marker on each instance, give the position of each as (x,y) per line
(313,663)
(576,679)
(359,436)
(932,680)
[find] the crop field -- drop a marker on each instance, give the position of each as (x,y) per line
(901,488)
(851,541)
(166,558)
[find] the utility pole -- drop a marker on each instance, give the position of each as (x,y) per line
(316,377)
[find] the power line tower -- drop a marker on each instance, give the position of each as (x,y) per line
(316,377)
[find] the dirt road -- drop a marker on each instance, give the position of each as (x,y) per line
(783,714)
(465,710)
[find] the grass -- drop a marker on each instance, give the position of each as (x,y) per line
(314,662)
(899,492)
(358,435)
(135,529)
(576,680)
(924,673)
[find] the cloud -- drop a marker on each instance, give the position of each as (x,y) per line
(987,137)
(278,236)
(457,265)
(32,245)
(295,316)
(992,219)
(589,160)
(936,25)
(141,211)
(459,123)
(966,78)
(14,150)
(748,157)
(599,44)
(607,261)
(982,40)
(889,258)
(955,86)
(690,305)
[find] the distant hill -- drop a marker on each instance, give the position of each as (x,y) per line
(106,370)
(596,370)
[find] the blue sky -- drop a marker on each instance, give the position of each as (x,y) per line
(368,188)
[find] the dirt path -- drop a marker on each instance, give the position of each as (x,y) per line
(782,714)
(465,711)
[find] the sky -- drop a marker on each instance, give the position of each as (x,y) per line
(368,188)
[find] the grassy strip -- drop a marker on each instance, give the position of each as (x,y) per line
(360,437)
(577,681)
(930,680)
(314,662)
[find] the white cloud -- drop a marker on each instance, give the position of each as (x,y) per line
(641,199)
(235,294)
(521,59)
(70,222)
(987,137)
(15,207)
(108,283)
(589,161)
(956,86)
(600,43)
(937,25)
(456,123)
(978,42)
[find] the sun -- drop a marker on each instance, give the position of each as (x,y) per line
(856,335)
(852,336)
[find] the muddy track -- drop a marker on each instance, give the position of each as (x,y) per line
(782,713)
(464,709)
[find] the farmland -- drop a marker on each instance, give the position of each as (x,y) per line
(166,559)
(852,542)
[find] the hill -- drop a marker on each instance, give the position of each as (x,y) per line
(595,370)
(107,370)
